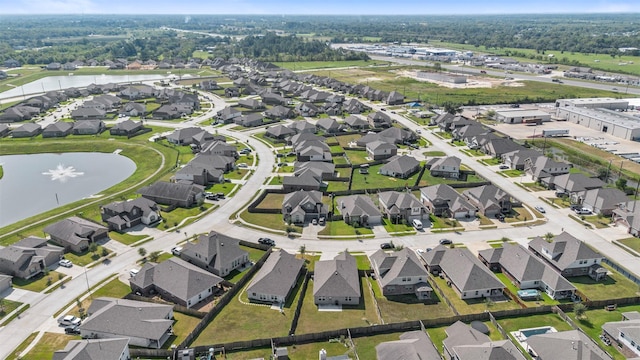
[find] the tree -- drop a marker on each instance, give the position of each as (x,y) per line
(303,249)
(580,310)
(154,256)
(621,184)
(548,236)
(93,247)
(142,252)
(451,107)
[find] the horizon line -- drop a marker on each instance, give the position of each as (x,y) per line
(330,14)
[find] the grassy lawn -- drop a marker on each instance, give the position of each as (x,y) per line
(438,334)
(39,282)
(175,216)
(270,221)
(392,228)
(114,288)
(400,308)
(49,343)
(271,201)
(276,180)
(254,254)
(373,180)
(363,262)
(533,321)
(344,140)
(182,326)
(236,174)
(491,161)
(366,346)
(441,223)
(632,242)
(518,214)
(311,320)
(337,186)
(6,307)
(357,157)
(443,134)
(242,319)
(472,306)
(473,152)
(125,238)
(340,228)
(600,222)
(224,188)
(545,299)
(614,286)
(511,173)
(268,139)
(434,153)
(87,257)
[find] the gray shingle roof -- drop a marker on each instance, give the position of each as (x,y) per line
(565,345)
(277,275)
(358,205)
(494,350)
(94,349)
(216,247)
(73,229)
(400,164)
(413,345)
(467,272)
(400,200)
(565,249)
(461,334)
(337,277)
(441,193)
(397,264)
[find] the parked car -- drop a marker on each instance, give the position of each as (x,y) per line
(321,221)
(386,246)
(582,211)
(242,165)
(445,242)
(176,250)
(279,155)
(65,263)
(419,131)
(540,209)
(266,241)
(69,320)
(314,222)
(133,272)
(72,330)
(500,217)
(504,167)
(417,224)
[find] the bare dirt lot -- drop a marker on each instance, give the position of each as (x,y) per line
(472,81)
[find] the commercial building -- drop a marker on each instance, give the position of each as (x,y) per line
(594,103)
(607,121)
(517,116)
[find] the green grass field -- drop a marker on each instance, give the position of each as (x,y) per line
(311,65)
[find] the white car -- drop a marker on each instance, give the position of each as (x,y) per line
(69,320)
(65,263)
(242,165)
(133,272)
(176,250)
(540,209)
(417,224)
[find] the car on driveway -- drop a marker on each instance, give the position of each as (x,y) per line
(69,320)
(65,263)
(72,330)
(176,250)
(242,165)
(133,272)
(266,241)
(446,242)
(504,167)
(386,246)
(540,209)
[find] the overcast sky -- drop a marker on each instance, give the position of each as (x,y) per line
(278,7)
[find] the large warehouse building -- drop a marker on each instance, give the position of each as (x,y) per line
(594,103)
(517,116)
(611,122)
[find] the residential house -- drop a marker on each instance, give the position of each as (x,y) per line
(298,139)
(415,345)
(89,113)
(5,282)
(231,92)
(57,129)
(274,99)
(134,109)
(228,115)
(18,113)
(395,98)
(527,271)
(516,159)
(279,112)
(574,184)
(542,167)
(88,127)
(309,179)
(250,120)
(360,210)
(447,167)
(379,120)
(356,122)
(54,66)
(467,132)
(328,125)
(301,206)
(209,85)
(569,345)
(307,109)
(569,256)
(26,130)
(397,136)
(188,136)
(177,281)
(324,169)
(122,215)
(468,277)
(625,332)
(171,111)
(276,278)
(75,234)
(126,128)
(174,194)
(145,324)
(353,106)
(627,214)
(463,342)
(135,92)
(490,200)
(4,130)
(602,201)
(400,166)
(444,201)
(221,148)
(303,127)
(379,150)
(279,132)
(497,146)
(199,174)
(312,150)
(251,104)
(103,349)
(336,282)
(216,253)
(401,273)
(399,206)
(28,257)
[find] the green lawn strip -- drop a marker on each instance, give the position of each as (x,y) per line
(518,214)
(363,262)
(270,221)
(632,242)
(263,353)
(400,308)
(400,227)
(23,345)
(337,186)
(87,257)
(357,157)
(434,153)
(7,306)
(524,322)
(309,260)
(511,173)
(114,288)
(236,174)
(310,351)
(276,180)
(1,171)
(344,140)
(340,228)
(600,222)
(472,306)
(613,287)
(254,254)
(48,344)
(443,223)
(39,282)
(268,140)
(147,162)
(491,161)
(366,345)
(271,201)
(373,180)
(125,238)
(249,321)
(545,299)
(164,256)
(311,320)
(175,216)
(473,152)
(225,188)
(593,320)
(438,335)
(182,326)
